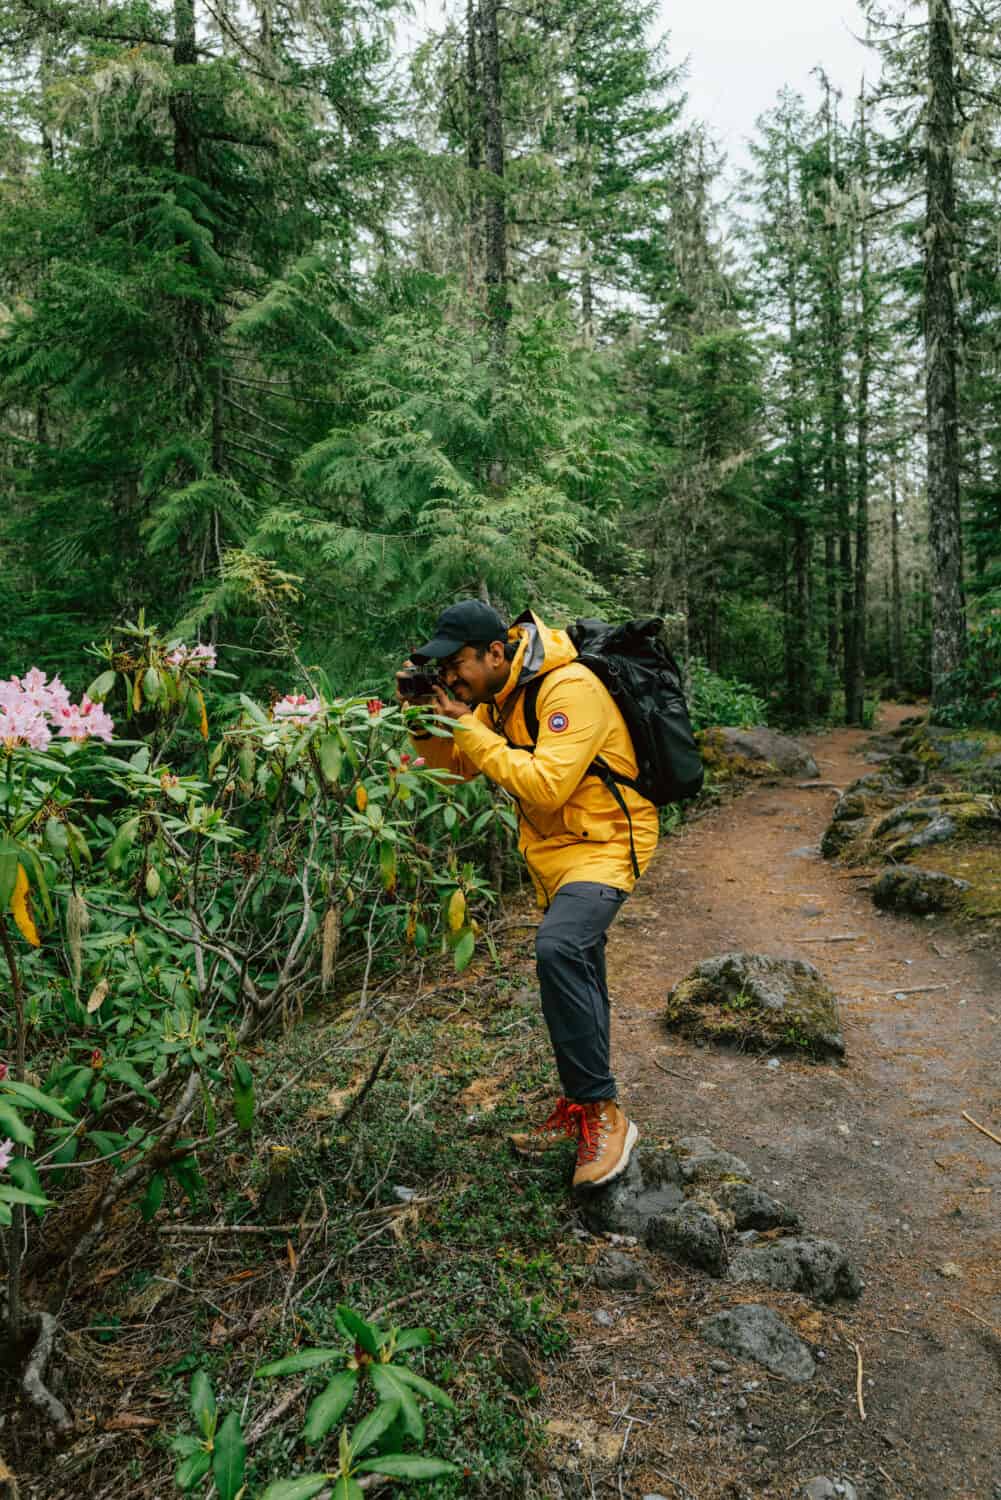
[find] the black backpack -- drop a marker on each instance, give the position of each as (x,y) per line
(645,682)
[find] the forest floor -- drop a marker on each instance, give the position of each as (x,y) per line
(563,1390)
(874,1153)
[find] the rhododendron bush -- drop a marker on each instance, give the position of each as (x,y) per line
(181,868)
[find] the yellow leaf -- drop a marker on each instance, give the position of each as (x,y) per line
(137,694)
(203,723)
(361,799)
(456,910)
(98,995)
(21,909)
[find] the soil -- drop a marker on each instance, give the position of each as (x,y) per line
(874,1152)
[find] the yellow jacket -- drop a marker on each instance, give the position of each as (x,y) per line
(569,828)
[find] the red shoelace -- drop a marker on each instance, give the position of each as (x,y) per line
(575,1120)
(562,1118)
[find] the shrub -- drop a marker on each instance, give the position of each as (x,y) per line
(715,700)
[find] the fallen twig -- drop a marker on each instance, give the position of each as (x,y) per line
(858,1379)
(686,1077)
(358,1098)
(209,1229)
(919,989)
(982,1128)
(685,1493)
(841,937)
(274,1414)
(818,786)
(976,1316)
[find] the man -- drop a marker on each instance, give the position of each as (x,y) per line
(583,848)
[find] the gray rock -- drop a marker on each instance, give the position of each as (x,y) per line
(603,1319)
(760,744)
(954,751)
(907,770)
(840,836)
(754,1209)
(618,1272)
(753,998)
(849,808)
(817,1268)
(918,891)
(651,1184)
(700,1161)
(829,1489)
(689,1235)
(755,1332)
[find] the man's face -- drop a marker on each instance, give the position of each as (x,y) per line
(476,679)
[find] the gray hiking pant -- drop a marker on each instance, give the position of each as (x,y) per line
(570,961)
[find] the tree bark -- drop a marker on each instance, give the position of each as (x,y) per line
(948,624)
(896,610)
(474,153)
(855,645)
(495,216)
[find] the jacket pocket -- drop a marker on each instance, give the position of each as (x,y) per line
(586,823)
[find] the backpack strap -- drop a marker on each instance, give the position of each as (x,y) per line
(598,767)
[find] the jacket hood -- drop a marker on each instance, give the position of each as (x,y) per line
(540,649)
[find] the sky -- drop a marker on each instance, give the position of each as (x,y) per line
(741,53)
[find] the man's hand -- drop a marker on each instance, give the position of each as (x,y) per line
(449,708)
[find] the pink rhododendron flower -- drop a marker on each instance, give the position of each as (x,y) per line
(23,724)
(192,656)
(47,697)
(297,706)
(84,722)
(420,761)
(4,1070)
(6,1152)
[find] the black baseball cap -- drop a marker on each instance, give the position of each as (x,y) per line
(468,623)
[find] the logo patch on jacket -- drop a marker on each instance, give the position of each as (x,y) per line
(558,722)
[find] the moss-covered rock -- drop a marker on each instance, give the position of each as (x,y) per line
(754,999)
(845,838)
(917,891)
(757,752)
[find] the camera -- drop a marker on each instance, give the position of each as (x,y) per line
(418,684)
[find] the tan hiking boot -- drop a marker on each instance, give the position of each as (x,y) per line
(556,1131)
(607,1138)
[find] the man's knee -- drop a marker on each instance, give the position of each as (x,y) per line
(553,948)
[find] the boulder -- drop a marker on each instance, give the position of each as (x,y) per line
(917,891)
(759,1334)
(752,1208)
(689,1235)
(757,750)
(844,836)
(752,998)
(651,1184)
(817,1268)
(934,819)
(701,1162)
(618,1272)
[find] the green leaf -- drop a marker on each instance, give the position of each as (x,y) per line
(243,1107)
(306,1359)
(432,1392)
(407,1466)
(330,1405)
(152,685)
(78,846)
(345,1488)
(153,1197)
(124,1072)
(229,1454)
(387,865)
(371,1428)
(56,837)
(203,1407)
(390,1389)
(303,1488)
(18,1195)
(363,1333)
(192,1470)
(241,1072)
(121,844)
(450,816)
(330,758)
(8,873)
(463,950)
(101,687)
(37,1099)
(24,1174)
(13,1126)
(414,1338)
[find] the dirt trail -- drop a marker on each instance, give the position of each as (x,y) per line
(874,1153)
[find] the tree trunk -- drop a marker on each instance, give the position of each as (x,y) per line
(474,154)
(495,217)
(896,610)
(948,640)
(855,645)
